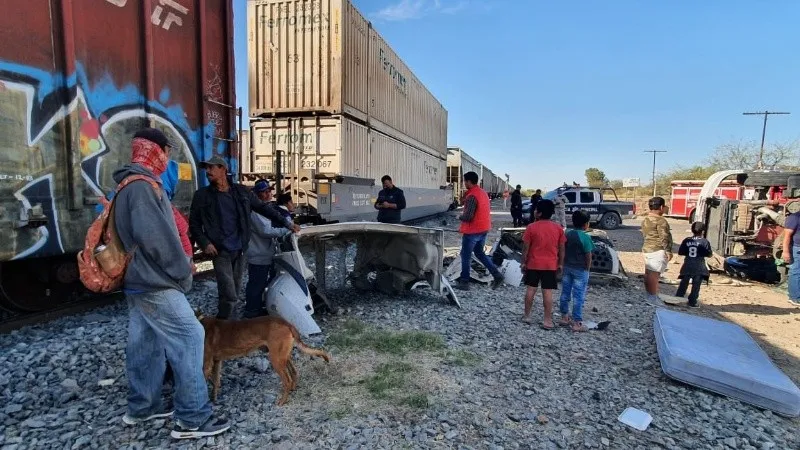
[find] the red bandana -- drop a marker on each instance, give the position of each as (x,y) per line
(150,155)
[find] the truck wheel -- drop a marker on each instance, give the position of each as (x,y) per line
(610,221)
(691,217)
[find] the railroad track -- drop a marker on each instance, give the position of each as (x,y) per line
(13,319)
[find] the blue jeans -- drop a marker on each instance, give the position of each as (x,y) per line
(574,283)
(473,243)
(159,321)
(794,275)
(258,278)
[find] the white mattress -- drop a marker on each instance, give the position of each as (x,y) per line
(723,358)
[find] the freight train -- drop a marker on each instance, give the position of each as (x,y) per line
(77,80)
(460,162)
(333,109)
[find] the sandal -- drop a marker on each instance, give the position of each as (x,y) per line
(548,328)
(579,327)
(566,320)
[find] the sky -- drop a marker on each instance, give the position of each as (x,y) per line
(541,90)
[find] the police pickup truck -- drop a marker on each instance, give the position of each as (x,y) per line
(602,205)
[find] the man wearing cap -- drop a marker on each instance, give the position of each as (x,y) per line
(162,326)
(263,241)
(219,221)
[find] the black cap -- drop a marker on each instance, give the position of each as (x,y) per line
(153,135)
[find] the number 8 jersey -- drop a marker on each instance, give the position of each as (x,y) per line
(695,249)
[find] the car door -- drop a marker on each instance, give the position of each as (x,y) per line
(589,202)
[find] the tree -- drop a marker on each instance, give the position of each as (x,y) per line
(595,177)
(744,155)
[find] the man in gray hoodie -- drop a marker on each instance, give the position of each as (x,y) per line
(161,320)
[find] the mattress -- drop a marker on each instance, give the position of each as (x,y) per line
(721,357)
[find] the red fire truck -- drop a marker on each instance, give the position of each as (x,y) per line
(685,193)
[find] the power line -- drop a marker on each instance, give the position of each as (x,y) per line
(654,152)
(763,132)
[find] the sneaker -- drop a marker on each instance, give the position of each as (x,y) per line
(693,304)
(497,282)
(131,420)
(212,427)
(794,302)
(461,285)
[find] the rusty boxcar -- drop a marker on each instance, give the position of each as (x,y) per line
(77,79)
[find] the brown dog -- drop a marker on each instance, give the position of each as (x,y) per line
(228,339)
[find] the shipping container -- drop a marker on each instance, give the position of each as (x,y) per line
(334,153)
(77,79)
(322,56)
(460,162)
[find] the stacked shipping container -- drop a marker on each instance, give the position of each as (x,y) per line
(312,58)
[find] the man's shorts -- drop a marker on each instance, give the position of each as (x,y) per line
(547,278)
(656,261)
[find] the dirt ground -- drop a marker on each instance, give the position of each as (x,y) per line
(762,310)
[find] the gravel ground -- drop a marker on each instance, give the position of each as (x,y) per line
(412,372)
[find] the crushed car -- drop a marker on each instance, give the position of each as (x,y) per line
(389,258)
(506,254)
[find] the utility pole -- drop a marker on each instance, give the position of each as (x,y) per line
(763,132)
(654,152)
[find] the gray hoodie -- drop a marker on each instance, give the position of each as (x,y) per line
(263,240)
(145,222)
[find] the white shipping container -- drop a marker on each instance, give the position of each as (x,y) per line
(340,146)
(310,56)
(457,157)
(399,100)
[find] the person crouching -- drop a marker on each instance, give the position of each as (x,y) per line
(259,254)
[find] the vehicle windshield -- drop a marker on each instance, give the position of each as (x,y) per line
(550,195)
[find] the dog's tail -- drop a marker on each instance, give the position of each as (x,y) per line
(311,351)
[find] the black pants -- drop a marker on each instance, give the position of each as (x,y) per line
(516,215)
(696,280)
(228,267)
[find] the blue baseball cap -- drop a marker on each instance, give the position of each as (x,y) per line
(261,186)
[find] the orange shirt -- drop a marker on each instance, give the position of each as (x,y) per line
(543,238)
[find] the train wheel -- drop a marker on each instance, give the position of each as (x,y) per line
(39,284)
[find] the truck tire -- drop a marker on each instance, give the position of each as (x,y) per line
(769,178)
(691,216)
(610,221)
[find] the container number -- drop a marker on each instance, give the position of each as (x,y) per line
(293,58)
(323,164)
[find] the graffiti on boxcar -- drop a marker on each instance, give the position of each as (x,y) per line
(158,18)
(165,13)
(40,112)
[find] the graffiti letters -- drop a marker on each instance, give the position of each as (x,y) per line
(36,156)
(159,19)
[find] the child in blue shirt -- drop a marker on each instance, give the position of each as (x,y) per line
(575,279)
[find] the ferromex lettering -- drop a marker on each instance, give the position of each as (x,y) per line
(398,77)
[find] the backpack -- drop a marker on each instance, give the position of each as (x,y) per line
(103,260)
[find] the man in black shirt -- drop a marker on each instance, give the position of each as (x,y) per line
(390,202)
(219,222)
(516,206)
(535,198)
